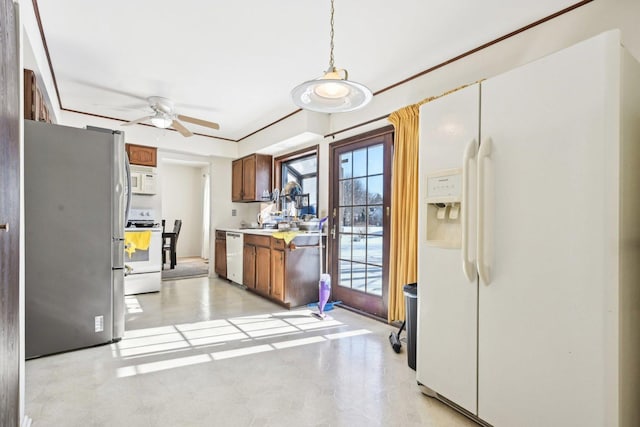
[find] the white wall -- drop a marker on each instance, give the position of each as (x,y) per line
(182,198)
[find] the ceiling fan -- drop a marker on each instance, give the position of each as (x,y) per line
(165,116)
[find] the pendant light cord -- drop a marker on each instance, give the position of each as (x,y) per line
(331,66)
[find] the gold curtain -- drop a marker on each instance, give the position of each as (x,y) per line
(403,268)
(404,207)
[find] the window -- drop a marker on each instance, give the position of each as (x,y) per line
(300,167)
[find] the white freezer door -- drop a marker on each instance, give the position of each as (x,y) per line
(550,191)
(447,299)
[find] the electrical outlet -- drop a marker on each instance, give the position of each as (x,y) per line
(234,212)
(99,323)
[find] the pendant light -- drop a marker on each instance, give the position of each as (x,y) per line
(333,92)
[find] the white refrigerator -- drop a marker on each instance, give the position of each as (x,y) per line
(529,242)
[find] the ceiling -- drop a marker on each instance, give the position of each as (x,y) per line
(235,62)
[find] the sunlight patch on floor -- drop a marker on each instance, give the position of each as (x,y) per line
(175,340)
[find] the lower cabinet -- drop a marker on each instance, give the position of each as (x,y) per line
(221,254)
(263,269)
(249,265)
(286,274)
(277,274)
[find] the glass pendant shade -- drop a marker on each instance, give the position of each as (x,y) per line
(331,94)
(161,121)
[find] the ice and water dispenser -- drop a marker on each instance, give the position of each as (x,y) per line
(444,198)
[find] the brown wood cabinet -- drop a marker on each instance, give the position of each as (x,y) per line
(221,254)
(286,274)
(256,263)
(277,274)
(263,270)
(35,106)
(249,266)
(251,176)
(236,180)
(142,155)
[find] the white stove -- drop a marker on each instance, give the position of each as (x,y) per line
(143,253)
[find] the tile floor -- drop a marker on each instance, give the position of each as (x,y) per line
(203,352)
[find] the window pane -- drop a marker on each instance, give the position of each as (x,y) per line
(346,165)
(360,162)
(360,191)
(360,219)
(374,280)
(374,190)
(376,160)
(346,193)
(345,247)
(359,277)
(345,274)
(359,247)
(345,220)
(374,221)
(374,249)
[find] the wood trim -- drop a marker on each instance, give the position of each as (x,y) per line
(401,82)
(357,138)
(143,124)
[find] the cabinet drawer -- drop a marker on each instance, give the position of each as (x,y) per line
(277,244)
(221,235)
(253,239)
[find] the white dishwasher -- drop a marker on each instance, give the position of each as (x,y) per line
(235,244)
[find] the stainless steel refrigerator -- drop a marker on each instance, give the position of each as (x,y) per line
(75,182)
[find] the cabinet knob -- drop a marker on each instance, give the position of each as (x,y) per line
(4,227)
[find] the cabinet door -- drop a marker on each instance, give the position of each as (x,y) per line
(249,178)
(221,257)
(262,179)
(236,180)
(263,269)
(141,155)
(249,266)
(277,275)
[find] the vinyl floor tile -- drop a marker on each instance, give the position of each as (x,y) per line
(203,352)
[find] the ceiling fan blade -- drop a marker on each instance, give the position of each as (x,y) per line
(140,120)
(200,122)
(180,128)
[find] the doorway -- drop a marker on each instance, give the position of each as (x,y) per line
(359,203)
(185,196)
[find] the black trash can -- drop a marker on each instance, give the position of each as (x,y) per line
(411,318)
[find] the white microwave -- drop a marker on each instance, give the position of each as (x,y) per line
(143,180)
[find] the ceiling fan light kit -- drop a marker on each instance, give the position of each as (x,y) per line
(161,121)
(333,92)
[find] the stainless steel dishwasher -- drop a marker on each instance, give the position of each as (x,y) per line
(235,244)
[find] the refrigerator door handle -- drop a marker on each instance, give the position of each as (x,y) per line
(468,266)
(127,167)
(483,268)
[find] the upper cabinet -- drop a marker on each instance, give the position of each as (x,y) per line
(251,177)
(35,106)
(142,155)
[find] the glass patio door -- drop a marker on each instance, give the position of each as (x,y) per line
(360,223)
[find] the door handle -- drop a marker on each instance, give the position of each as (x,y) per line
(333,232)
(483,269)
(4,227)
(470,153)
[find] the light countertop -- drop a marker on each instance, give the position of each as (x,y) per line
(265,232)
